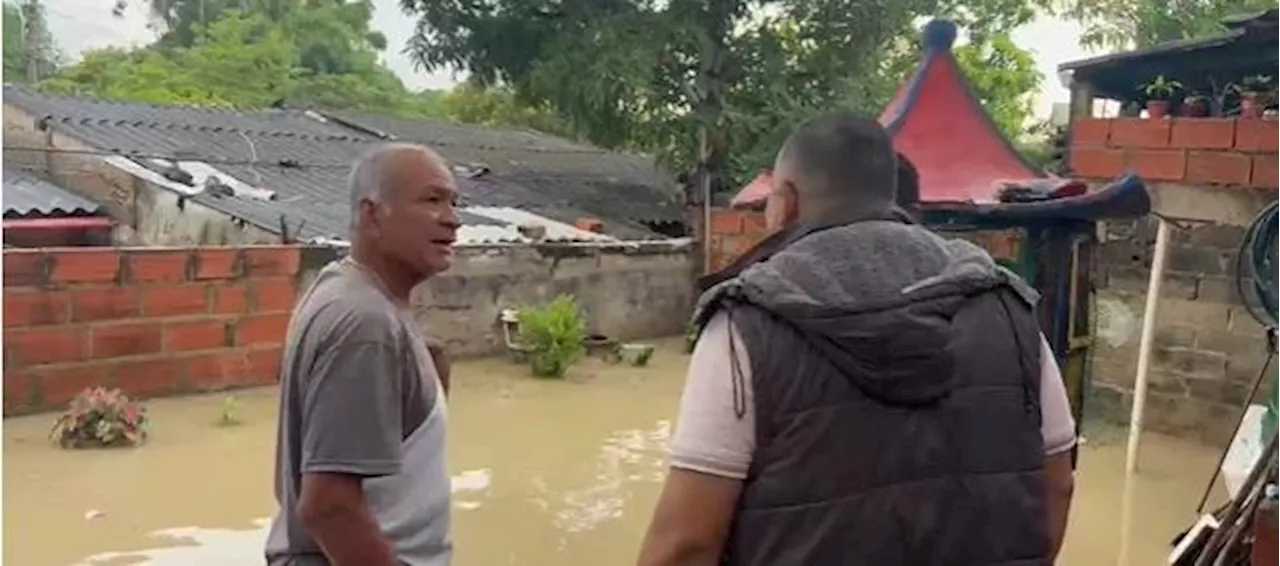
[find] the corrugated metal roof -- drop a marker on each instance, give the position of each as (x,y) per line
(512,219)
(621,186)
(303,163)
(28,196)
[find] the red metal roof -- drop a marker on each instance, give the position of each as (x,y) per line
(756,192)
(937,122)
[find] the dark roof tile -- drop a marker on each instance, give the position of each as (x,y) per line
(305,160)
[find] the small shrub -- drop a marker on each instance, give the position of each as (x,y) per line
(690,338)
(100,418)
(556,333)
(230,414)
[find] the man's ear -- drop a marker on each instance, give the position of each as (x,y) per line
(369,214)
(791,198)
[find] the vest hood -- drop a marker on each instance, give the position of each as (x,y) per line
(869,296)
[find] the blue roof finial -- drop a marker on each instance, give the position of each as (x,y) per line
(939,35)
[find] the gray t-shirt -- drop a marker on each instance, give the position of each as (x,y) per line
(360,395)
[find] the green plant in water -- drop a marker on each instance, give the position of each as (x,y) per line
(690,338)
(556,333)
(100,418)
(637,355)
(230,413)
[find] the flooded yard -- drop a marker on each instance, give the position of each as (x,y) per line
(545,472)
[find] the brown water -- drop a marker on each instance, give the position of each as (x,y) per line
(546,473)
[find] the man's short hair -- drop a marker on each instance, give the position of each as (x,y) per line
(908,195)
(842,158)
(368,174)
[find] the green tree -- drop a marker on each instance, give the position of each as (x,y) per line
(1131,24)
(235,51)
(21,57)
(653,76)
(324,56)
(474,104)
(1004,78)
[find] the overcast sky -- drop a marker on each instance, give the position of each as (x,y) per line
(82,25)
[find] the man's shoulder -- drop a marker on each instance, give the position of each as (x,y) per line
(344,307)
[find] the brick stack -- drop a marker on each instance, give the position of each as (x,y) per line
(1190,151)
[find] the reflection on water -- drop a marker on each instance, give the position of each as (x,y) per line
(190,545)
(545,472)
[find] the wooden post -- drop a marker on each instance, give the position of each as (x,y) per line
(1140,387)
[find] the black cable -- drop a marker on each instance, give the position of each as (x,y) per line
(1253,391)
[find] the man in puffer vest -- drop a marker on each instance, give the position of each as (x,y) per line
(864,391)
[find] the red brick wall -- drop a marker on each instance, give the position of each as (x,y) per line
(732,233)
(736,231)
(150,321)
(1191,151)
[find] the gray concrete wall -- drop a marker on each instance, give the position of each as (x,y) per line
(626,292)
(1207,350)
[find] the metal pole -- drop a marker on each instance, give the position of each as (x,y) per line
(704,153)
(1140,386)
(30,16)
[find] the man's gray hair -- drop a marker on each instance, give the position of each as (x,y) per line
(367,178)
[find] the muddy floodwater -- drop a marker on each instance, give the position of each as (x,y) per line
(545,473)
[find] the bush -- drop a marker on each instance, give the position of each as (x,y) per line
(100,418)
(555,332)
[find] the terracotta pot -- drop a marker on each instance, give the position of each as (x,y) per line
(1195,108)
(1251,106)
(1157,109)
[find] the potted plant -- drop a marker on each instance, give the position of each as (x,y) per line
(1195,105)
(1159,92)
(1255,94)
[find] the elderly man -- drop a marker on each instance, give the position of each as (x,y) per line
(360,459)
(863,391)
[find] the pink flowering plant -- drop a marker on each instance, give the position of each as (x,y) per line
(101,418)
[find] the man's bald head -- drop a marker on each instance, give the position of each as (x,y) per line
(378,172)
(837,165)
(403,200)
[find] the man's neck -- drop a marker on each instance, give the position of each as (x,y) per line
(395,280)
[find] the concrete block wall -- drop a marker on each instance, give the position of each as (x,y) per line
(1212,175)
(626,291)
(152,321)
(1208,350)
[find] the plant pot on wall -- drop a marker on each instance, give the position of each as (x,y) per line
(1252,105)
(1195,107)
(1157,109)
(1158,94)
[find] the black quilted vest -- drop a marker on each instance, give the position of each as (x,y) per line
(844,475)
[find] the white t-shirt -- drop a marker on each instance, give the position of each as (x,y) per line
(711,438)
